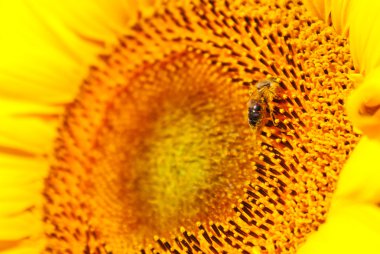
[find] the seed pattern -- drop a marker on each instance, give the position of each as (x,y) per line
(181,79)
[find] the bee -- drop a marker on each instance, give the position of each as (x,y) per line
(256,111)
(259,104)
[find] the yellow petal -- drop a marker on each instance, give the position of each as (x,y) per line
(360,178)
(27,126)
(100,21)
(13,199)
(19,227)
(33,246)
(21,183)
(350,228)
(51,80)
(27,134)
(31,68)
(365,35)
(317,8)
(20,203)
(19,108)
(338,11)
(4,245)
(46,48)
(363,105)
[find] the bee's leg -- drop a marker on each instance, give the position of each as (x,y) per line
(272,115)
(273,119)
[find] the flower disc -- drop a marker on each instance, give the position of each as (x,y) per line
(156,153)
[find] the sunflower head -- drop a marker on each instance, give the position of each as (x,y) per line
(156,154)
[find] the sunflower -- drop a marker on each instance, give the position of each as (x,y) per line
(130,134)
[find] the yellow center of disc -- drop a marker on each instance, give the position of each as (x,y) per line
(168,159)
